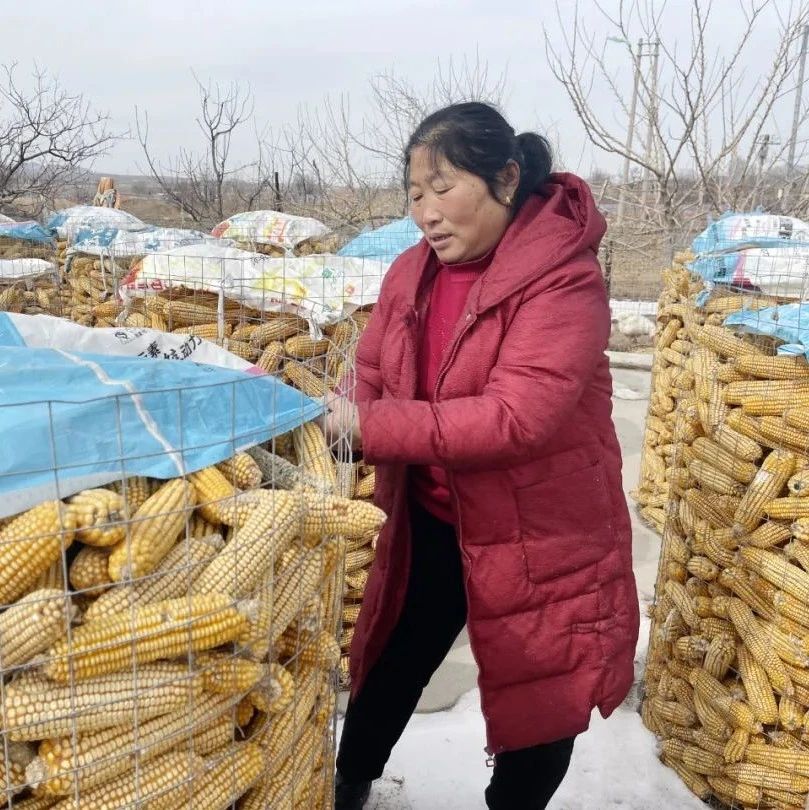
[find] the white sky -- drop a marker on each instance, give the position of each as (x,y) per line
(294,53)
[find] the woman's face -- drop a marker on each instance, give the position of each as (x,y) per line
(458,214)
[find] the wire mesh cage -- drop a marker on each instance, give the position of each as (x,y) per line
(726,456)
(171,582)
(30,279)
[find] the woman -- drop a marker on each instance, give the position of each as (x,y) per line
(484,400)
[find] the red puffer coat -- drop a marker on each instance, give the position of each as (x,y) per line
(522,420)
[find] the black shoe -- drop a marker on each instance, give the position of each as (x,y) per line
(350,795)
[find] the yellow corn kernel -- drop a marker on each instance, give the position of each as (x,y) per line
(32,624)
(153,530)
(30,544)
(90,570)
(241,471)
(99,515)
(145,634)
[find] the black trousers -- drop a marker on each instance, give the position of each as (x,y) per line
(433,615)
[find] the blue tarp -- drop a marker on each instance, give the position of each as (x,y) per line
(71,421)
(385,243)
(734,230)
(787,322)
(29,231)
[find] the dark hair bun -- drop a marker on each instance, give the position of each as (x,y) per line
(536,162)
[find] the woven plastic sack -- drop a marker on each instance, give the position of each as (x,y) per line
(118,242)
(28,231)
(269,228)
(322,288)
(69,222)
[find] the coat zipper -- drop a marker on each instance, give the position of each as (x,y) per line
(470,319)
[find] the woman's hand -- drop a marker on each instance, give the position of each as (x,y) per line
(342,420)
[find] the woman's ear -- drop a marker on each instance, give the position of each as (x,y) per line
(509,180)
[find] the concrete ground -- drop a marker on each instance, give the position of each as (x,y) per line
(458,674)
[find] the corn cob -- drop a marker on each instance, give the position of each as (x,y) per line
(230,774)
(708,509)
(314,455)
(97,756)
(769,534)
(30,544)
(328,515)
(272,357)
(694,782)
(185,313)
(159,785)
(241,565)
(134,491)
(772,368)
(797,418)
(758,687)
(35,708)
(775,471)
(787,508)
(160,630)
(732,792)
(790,713)
(276,693)
(766,776)
(238,347)
(739,713)
(318,650)
(778,570)
(712,626)
(365,486)
(302,378)
(227,675)
(719,656)
(703,568)
(304,347)
(154,529)
(735,392)
(98,514)
(740,446)
(752,635)
(215,493)
(712,721)
(736,746)
(723,460)
(724,342)
(673,712)
(90,570)
(778,433)
(277,329)
(209,331)
(295,585)
(242,471)
(53,577)
(280,473)
(32,624)
(712,479)
(171,579)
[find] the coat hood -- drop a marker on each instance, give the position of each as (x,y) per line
(550,229)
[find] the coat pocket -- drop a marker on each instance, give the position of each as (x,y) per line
(566,522)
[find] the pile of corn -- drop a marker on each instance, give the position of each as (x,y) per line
(30,294)
(727,678)
(279,344)
(671,380)
(190,658)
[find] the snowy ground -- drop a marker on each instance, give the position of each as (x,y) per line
(439,764)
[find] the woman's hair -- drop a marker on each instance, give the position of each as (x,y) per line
(475,137)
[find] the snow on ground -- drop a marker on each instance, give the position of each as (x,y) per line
(439,764)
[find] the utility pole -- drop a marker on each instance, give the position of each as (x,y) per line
(652,126)
(796,116)
(630,133)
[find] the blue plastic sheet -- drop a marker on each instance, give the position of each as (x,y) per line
(736,230)
(385,243)
(29,231)
(787,322)
(71,421)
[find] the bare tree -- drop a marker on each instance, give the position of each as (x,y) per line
(711,130)
(355,164)
(48,139)
(211,184)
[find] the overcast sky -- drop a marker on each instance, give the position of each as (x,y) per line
(294,53)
